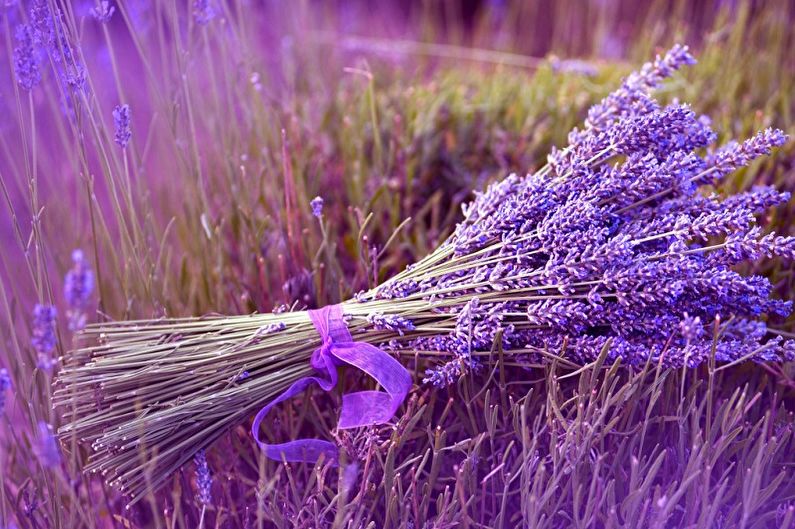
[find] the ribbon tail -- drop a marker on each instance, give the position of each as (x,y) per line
(366,408)
(300,450)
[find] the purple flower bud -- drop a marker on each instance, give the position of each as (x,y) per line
(317,207)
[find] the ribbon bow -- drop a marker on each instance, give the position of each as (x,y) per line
(363,408)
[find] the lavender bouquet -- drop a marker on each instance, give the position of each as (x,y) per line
(617,248)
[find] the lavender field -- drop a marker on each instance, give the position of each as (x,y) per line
(559,236)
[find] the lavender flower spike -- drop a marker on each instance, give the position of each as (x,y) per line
(390,322)
(5,385)
(26,64)
(121,121)
(78,286)
(204,479)
(317,207)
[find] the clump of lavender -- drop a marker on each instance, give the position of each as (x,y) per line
(317,207)
(78,286)
(121,124)
(44,338)
(610,245)
(204,480)
(50,33)
(5,385)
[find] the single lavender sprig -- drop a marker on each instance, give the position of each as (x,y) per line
(121,123)
(78,286)
(391,322)
(47,446)
(44,338)
(317,207)
(204,479)
(5,385)
(26,62)
(444,375)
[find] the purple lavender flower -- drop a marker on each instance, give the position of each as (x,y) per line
(203,12)
(735,155)
(317,207)
(5,385)
(78,286)
(26,63)
(44,338)
(390,322)
(47,447)
(103,11)
(204,480)
(44,23)
(121,122)
(397,289)
(444,375)
(621,103)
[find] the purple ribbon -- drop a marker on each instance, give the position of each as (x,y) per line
(363,408)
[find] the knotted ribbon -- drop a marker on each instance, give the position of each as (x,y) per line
(363,408)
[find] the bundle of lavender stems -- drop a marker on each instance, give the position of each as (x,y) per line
(618,245)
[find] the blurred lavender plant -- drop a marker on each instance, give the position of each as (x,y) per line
(203,11)
(47,446)
(5,385)
(26,63)
(44,337)
(78,286)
